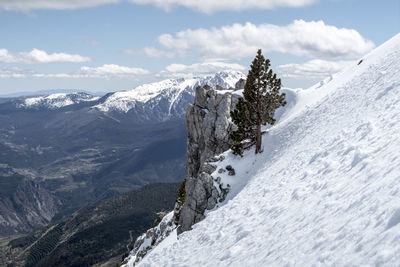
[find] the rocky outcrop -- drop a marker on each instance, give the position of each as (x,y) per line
(240,84)
(208,125)
(151,238)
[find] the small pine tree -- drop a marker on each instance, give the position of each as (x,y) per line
(182,193)
(180,201)
(261,97)
(240,117)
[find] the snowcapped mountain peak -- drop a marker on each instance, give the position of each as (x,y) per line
(57,100)
(225,79)
(168,93)
(158,101)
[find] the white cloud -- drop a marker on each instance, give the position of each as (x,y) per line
(207,6)
(39,56)
(25,5)
(14,72)
(150,52)
(105,71)
(199,69)
(312,70)
(312,39)
(111,70)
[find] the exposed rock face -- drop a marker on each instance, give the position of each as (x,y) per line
(28,208)
(151,238)
(240,84)
(208,125)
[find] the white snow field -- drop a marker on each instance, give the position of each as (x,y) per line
(326,189)
(59,100)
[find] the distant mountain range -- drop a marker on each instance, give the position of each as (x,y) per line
(81,148)
(160,101)
(46,92)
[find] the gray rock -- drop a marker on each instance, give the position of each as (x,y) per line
(231,170)
(218,87)
(208,125)
(240,84)
(201,194)
(224,192)
(152,238)
(208,168)
(200,98)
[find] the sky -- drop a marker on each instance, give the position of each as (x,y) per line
(112,45)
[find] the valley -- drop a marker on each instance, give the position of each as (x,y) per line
(80,154)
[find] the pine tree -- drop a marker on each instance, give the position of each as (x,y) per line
(261,97)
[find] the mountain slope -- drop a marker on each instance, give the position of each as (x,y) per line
(159,101)
(24,204)
(57,100)
(163,100)
(82,157)
(325,191)
(170,90)
(97,234)
(82,154)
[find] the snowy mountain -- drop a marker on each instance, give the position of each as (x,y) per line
(58,100)
(326,189)
(166,99)
(72,148)
(160,101)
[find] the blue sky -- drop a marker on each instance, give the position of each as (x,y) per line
(109,45)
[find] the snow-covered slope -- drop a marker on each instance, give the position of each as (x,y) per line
(326,189)
(170,92)
(55,101)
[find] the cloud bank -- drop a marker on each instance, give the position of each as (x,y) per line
(206,6)
(14,72)
(313,69)
(39,56)
(210,6)
(25,5)
(312,39)
(105,71)
(198,69)
(111,70)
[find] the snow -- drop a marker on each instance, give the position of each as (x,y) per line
(171,89)
(326,189)
(35,101)
(59,100)
(165,231)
